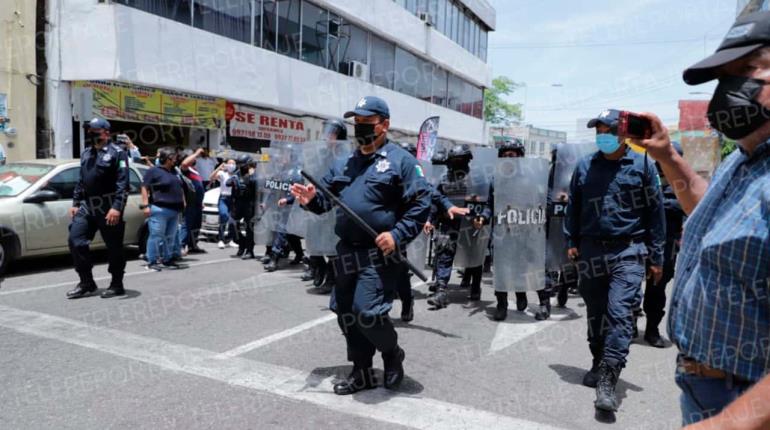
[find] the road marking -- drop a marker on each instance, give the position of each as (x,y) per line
(380,404)
(243,349)
(104,278)
(507,334)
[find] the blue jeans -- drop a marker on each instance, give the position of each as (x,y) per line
(226,222)
(163,226)
(704,397)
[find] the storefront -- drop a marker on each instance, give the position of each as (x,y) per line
(249,128)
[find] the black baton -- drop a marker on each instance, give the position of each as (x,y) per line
(360,222)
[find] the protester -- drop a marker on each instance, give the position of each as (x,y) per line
(193,213)
(226,224)
(205,165)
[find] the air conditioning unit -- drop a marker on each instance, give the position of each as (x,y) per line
(358,70)
(426,18)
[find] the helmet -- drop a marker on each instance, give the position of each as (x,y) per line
(511,145)
(98,123)
(243,159)
(461,151)
(409,147)
(439,157)
(335,126)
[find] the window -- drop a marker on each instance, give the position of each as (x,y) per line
(477,100)
(542,148)
(288,27)
(466,101)
(177,10)
(411,6)
(257,23)
(134,183)
(407,73)
(383,62)
(467,32)
(483,45)
(269,24)
(315,22)
(438,9)
(453,14)
(64,183)
(354,45)
(439,87)
(335,43)
(475,38)
(225,17)
(454,92)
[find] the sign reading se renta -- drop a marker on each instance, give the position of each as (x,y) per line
(253,123)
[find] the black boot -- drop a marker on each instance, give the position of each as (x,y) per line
(606,399)
(440,299)
(501,312)
(321,273)
(83,289)
(407,309)
(521,301)
(544,311)
(361,378)
(393,366)
(115,289)
(562,296)
(591,378)
(309,273)
(652,335)
(272,265)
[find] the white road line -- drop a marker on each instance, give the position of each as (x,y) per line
(243,349)
(380,405)
(104,278)
(507,334)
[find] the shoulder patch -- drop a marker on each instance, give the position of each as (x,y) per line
(420,173)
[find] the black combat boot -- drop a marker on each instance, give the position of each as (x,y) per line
(115,289)
(272,265)
(440,299)
(393,366)
(521,301)
(323,271)
(361,378)
(562,296)
(501,312)
(591,378)
(544,311)
(606,399)
(83,289)
(407,309)
(652,335)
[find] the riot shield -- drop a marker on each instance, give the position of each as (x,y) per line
(279,169)
(521,192)
(472,243)
(563,163)
(320,239)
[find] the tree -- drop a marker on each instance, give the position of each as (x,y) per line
(497,111)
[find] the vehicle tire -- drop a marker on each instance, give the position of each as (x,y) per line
(7,251)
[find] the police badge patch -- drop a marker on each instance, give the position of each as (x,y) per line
(382,166)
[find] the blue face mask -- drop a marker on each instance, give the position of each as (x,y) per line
(157,161)
(607,143)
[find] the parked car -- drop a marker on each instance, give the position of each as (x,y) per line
(210,225)
(35,197)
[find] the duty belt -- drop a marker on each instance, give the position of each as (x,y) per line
(615,241)
(690,366)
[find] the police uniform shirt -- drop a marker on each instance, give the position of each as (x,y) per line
(616,199)
(387,189)
(104,179)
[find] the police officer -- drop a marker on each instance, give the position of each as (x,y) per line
(244,186)
(384,185)
(321,268)
(655,292)
(282,241)
(614,216)
(453,190)
(98,204)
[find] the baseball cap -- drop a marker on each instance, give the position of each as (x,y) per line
(609,118)
(369,106)
(747,34)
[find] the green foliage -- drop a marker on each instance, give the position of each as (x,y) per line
(497,111)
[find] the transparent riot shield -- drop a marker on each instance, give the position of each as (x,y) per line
(519,217)
(277,171)
(319,157)
(564,160)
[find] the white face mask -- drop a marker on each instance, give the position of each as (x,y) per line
(231,168)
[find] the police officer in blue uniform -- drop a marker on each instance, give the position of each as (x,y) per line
(282,241)
(614,224)
(385,187)
(98,204)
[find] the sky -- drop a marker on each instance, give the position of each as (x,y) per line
(579,57)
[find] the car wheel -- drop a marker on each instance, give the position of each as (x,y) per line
(5,256)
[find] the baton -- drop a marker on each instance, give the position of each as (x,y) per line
(360,222)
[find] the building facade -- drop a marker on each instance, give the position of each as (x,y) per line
(245,72)
(18,80)
(538,142)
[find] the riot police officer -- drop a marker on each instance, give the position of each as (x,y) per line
(453,188)
(98,204)
(614,223)
(283,241)
(244,186)
(386,188)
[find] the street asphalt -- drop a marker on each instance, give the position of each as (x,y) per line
(223,345)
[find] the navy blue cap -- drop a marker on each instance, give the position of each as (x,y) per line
(609,118)
(369,106)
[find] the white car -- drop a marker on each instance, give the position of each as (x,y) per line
(210,224)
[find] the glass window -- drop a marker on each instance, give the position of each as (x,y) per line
(315,27)
(478,101)
(288,27)
(177,10)
(354,45)
(226,17)
(453,21)
(407,72)
(401,3)
(411,6)
(454,92)
(64,183)
(17,177)
(475,38)
(336,42)
(134,182)
(439,87)
(269,24)
(466,32)
(483,45)
(383,60)
(257,22)
(439,11)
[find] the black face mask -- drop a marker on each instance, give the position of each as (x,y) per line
(93,137)
(365,134)
(734,110)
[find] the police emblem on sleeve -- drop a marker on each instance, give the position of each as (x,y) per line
(107,157)
(382,166)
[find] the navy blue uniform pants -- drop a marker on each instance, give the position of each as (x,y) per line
(610,284)
(284,242)
(81,233)
(366,284)
(446,248)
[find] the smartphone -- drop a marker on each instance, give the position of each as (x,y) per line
(634,126)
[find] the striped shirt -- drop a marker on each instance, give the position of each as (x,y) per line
(720,311)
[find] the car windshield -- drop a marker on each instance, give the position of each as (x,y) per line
(17,177)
